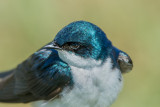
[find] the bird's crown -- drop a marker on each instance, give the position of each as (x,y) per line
(83,38)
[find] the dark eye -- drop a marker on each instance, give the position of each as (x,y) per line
(74,46)
(71,46)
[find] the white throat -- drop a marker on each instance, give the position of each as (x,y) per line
(96,86)
(77,61)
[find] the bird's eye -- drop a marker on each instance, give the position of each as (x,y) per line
(71,46)
(74,46)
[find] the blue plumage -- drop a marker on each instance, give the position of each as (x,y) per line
(89,35)
(44,75)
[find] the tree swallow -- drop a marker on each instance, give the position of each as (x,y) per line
(79,68)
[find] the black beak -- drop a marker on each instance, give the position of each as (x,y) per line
(53,45)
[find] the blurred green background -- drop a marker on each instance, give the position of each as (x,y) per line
(131,25)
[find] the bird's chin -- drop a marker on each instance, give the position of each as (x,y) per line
(77,61)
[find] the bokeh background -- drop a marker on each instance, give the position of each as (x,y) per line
(131,25)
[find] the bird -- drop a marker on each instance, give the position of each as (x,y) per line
(79,68)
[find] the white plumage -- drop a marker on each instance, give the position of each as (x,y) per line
(94,85)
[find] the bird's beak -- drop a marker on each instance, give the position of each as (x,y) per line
(53,45)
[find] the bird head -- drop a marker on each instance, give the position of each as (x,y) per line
(81,41)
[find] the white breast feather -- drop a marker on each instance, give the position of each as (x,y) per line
(94,86)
